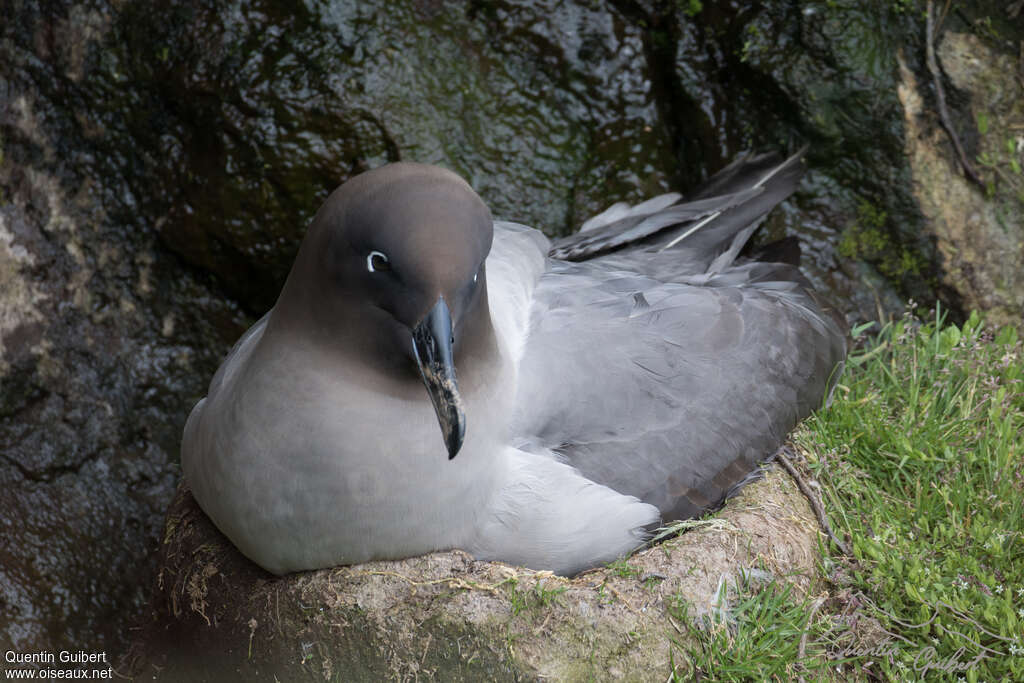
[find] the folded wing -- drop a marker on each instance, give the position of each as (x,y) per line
(665,366)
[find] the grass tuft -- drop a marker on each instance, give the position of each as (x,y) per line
(920,462)
(753,634)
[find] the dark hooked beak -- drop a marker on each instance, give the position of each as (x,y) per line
(432,341)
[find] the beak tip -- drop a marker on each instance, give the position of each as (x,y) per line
(432,345)
(455,439)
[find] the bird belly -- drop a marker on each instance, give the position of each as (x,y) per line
(327,483)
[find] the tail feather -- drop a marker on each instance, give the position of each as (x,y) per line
(621,210)
(712,224)
(634,227)
(744,171)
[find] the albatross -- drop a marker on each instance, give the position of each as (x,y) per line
(432,379)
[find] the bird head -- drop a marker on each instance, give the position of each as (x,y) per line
(392,270)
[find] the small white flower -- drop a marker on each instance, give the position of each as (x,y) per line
(999,589)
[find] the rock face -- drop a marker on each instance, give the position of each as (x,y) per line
(101,340)
(249,117)
(218,617)
(980,233)
(159,163)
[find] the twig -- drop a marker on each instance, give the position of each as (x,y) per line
(623,598)
(940,96)
(1020,60)
(426,648)
(452,581)
(540,628)
(945,13)
(812,498)
(802,652)
(1007,178)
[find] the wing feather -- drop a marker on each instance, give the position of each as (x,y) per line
(679,365)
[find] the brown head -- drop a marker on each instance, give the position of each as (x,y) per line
(392,273)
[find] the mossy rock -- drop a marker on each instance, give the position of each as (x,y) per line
(978,231)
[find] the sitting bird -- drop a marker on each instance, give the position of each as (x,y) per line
(432,379)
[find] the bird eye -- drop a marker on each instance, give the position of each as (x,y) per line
(475,276)
(377,261)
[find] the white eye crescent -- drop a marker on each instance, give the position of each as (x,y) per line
(475,276)
(377,260)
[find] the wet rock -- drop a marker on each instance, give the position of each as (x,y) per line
(885,214)
(101,340)
(768,75)
(219,617)
(249,117)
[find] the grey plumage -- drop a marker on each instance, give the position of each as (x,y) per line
(635,382)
